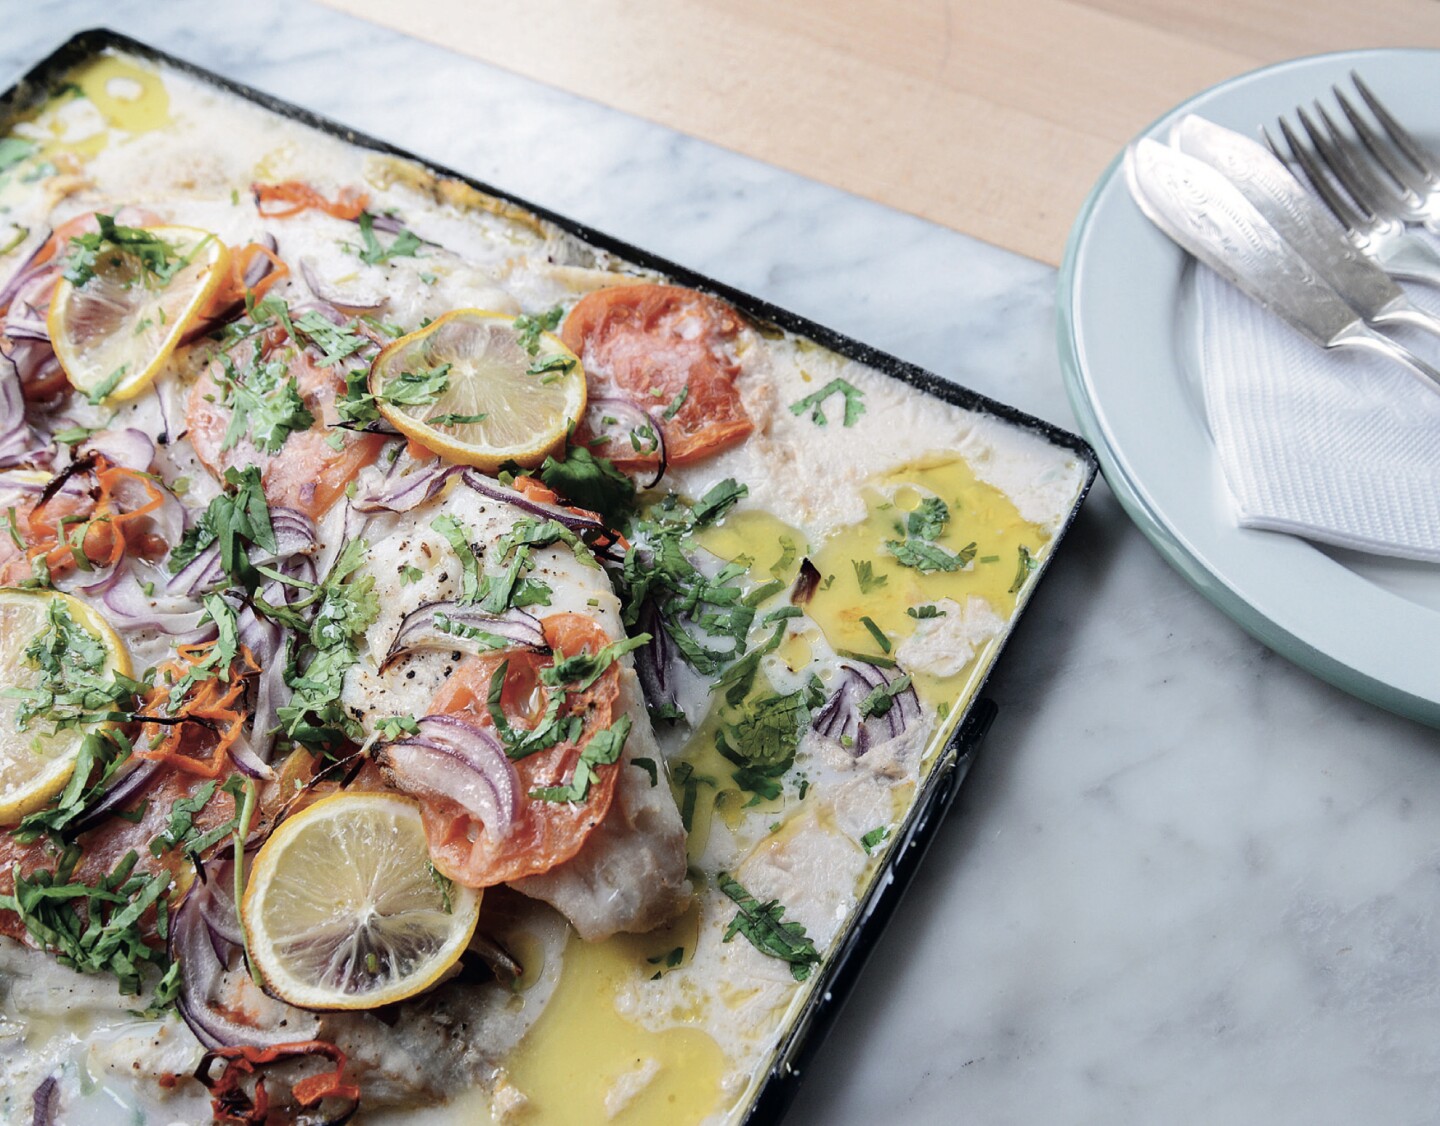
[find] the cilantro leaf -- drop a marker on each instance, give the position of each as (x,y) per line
(1027,564)
(530,327)
(602,749)
(929,518)
(763,742)
(404,246)
(875,837)
(590,482)
(927,557)
(867,578)
(854,404)
(764,925)
(421,388)
(155,258)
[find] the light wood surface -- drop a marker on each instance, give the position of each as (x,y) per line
(993,117)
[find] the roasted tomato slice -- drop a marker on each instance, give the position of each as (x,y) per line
(307,473)
(545,833)
(668,350)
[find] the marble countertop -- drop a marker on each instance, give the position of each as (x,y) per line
(1185,882)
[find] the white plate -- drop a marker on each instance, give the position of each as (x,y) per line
(1127,344)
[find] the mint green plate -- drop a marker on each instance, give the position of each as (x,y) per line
(1128,347)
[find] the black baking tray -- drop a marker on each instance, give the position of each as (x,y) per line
(940,785)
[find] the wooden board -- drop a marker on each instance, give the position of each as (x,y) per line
(991,118)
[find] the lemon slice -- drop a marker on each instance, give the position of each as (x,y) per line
(342,911)
(113,333)
(494,402)
(36,762)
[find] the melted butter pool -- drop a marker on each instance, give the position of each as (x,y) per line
(582,1052)
(100,99)
(980,514)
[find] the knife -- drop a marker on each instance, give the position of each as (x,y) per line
(1205,214)
(1274,192)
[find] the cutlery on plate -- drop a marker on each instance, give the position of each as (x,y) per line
(1204,213)
(1375,196)
(1271,189)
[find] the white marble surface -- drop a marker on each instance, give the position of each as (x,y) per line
(1185,882)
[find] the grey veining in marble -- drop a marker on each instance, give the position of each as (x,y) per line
(1185,882)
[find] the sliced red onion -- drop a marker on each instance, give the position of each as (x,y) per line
(25,322)
(655,662)
(402,493)
(459,761)
(611,421)
(574,521)
(200,574)
(126,789)
(128,448)
(294,535)
(260,266)
(45,1102)
(390,224)
(247,761)
(352,303)
(806,583)
(131,607)
(839,717)
(34,360)
(201,974)
(267,642)
(27,273)
(17,439)
(471,630)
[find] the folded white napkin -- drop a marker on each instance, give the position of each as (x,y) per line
(1333,446)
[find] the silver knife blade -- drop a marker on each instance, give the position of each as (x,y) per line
(1200,209)
(1274,192)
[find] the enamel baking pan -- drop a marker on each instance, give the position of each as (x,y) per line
(939,786)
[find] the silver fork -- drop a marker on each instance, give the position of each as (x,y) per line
(1370,200)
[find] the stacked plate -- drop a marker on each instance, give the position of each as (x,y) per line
(1130,349)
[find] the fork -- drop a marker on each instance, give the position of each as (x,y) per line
(1375,198)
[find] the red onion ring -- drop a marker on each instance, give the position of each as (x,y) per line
(25,274)
(574,521)
(346,303)
(128,448)
(120,794)
(398,493)
(459,761)
(607,437)
(418,630)
(201,971)
(839,717)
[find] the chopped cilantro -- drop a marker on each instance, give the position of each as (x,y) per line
(876,632)
(676,403)
(1028,563)
(763,924)
(874,838)
(927,611)
(602,749)
(392,727)
(591,482)
(266,404)
(927,557)
(411,573)
(456,419)
(763,741)
(929,518)
(421,388)
(530,328)
(404,246)
(867,578)
(881,698)
(101,391)
(854,405)
(335,342)
(649,767)
(156,258)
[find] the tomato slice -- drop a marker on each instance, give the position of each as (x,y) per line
(653,344)
(306,473)
(105,846)
(545,833)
